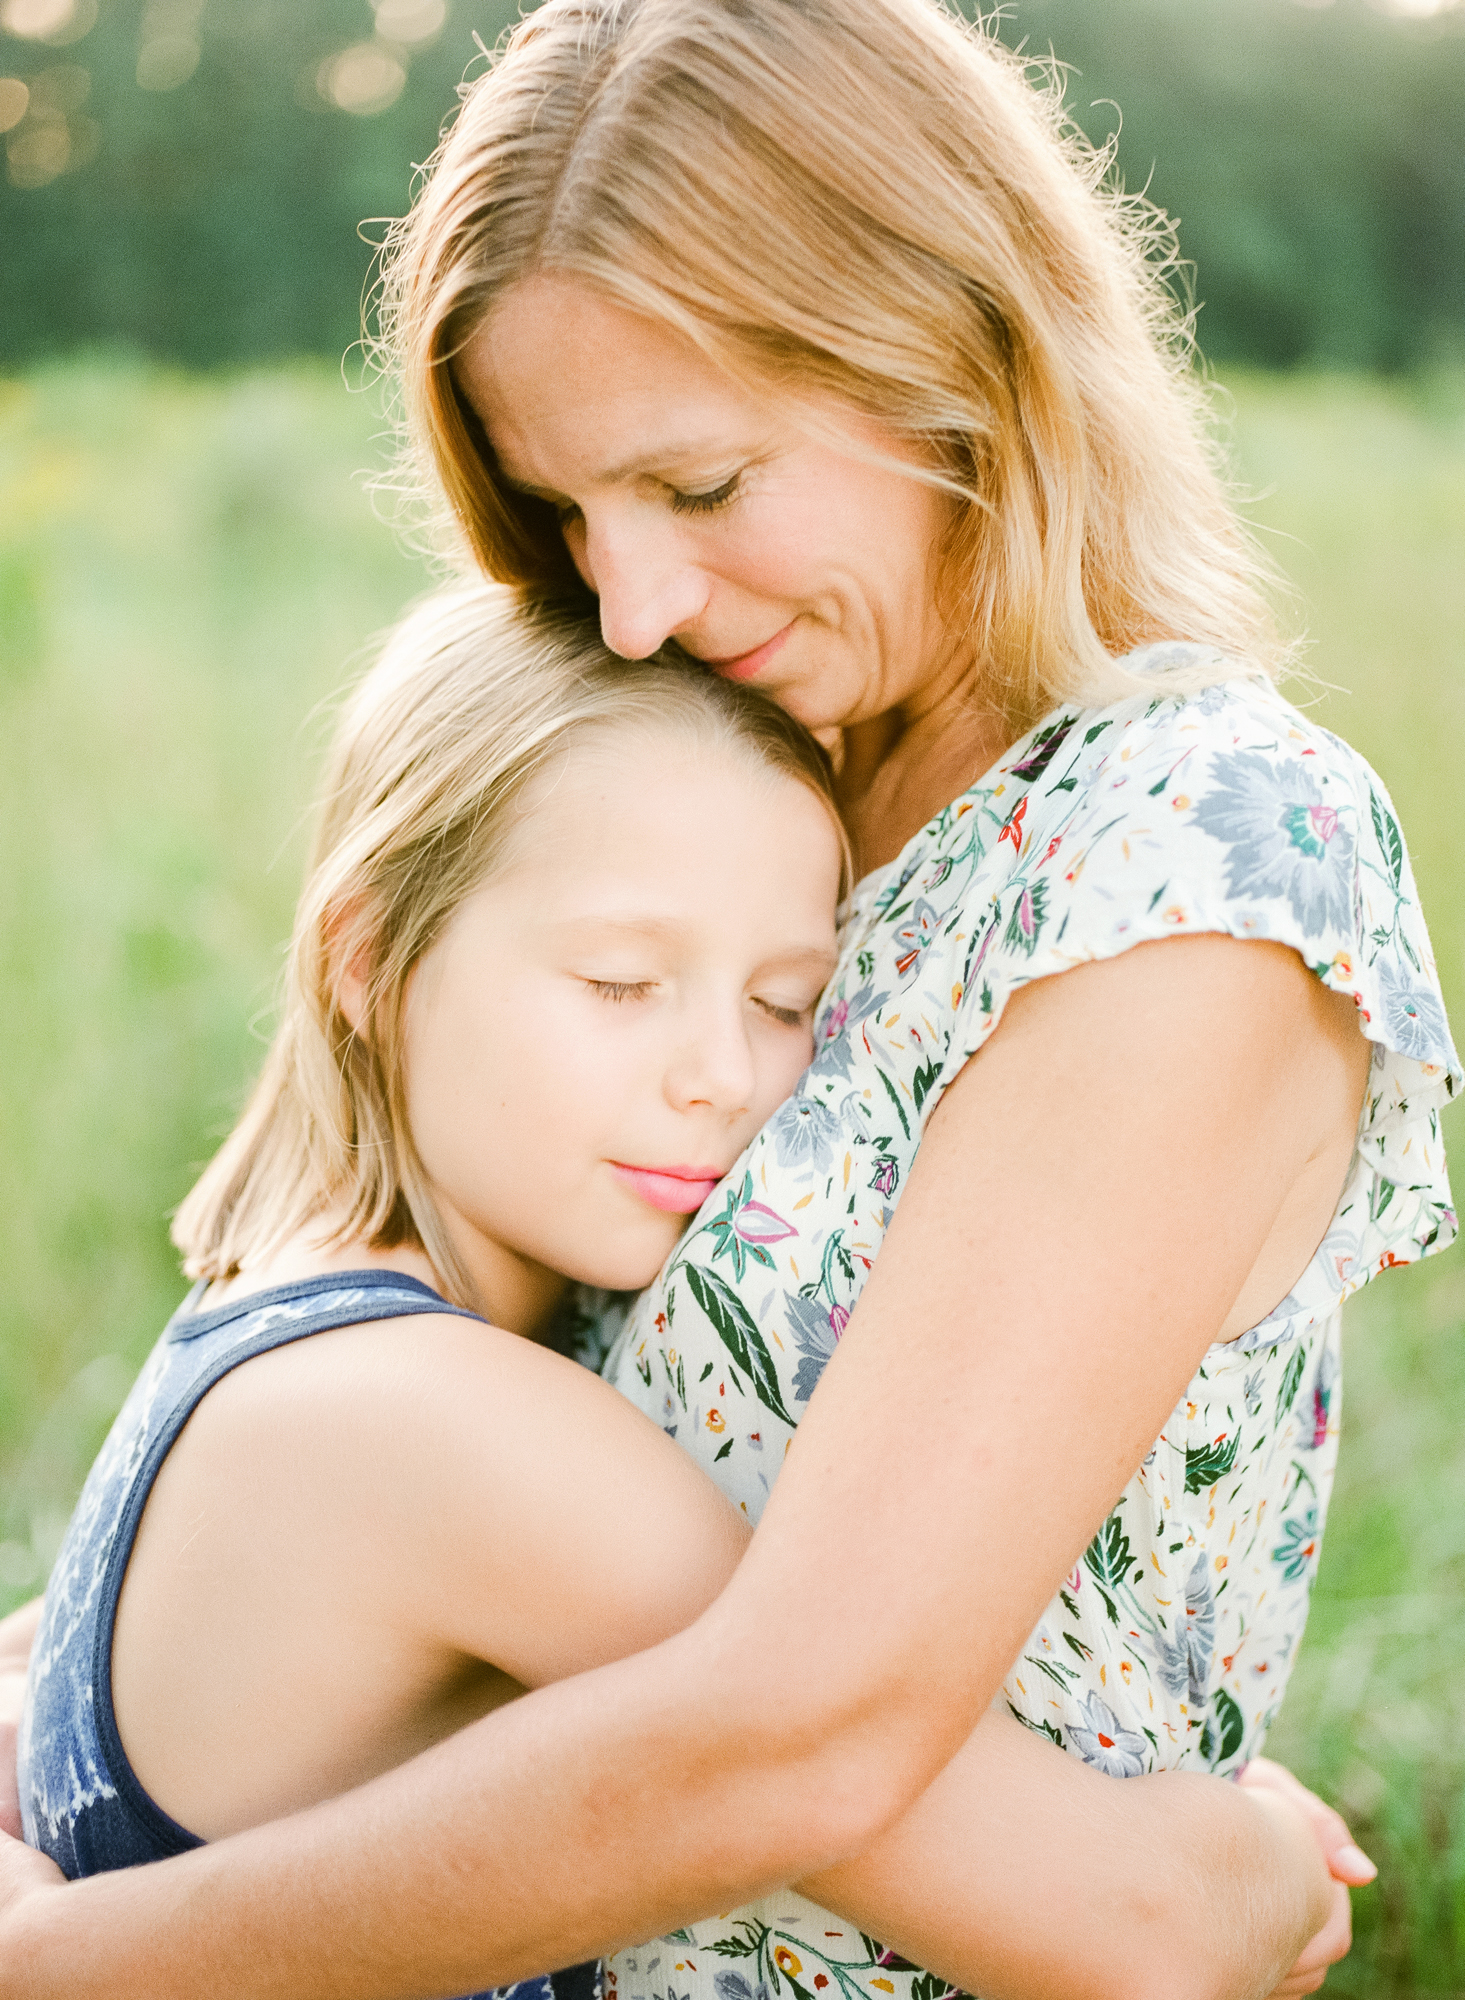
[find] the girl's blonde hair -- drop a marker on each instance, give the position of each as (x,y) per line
(475,693)
(868,197)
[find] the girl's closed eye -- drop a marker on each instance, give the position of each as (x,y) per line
(620,989)
(789,1015)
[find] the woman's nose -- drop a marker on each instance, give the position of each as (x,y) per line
(647,588)
(713,1066)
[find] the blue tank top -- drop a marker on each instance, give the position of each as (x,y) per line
(81,1801)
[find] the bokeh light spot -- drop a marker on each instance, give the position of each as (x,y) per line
(365,79)
(37,151)
(410,22)
(65,87)
(55,21)
(166,61)
(14,98)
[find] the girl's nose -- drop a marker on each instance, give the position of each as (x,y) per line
(647,588)
(713,1067)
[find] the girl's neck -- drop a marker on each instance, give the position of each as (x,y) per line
(516,1294)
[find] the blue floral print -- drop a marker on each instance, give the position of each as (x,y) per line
(804,1134)
(1102,1740)
(1282,837)
(1170,1644)
(1413,1015)
(815,1331)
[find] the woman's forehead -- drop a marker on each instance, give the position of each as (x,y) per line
(563,378)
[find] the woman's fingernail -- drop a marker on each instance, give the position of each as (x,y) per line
(1355,1861)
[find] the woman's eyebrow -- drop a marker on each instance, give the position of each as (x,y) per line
(658,460)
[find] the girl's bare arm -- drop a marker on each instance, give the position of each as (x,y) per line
(784,1731)
(1021,1873)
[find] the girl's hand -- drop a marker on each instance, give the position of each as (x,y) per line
(27,1879)
(1346,1862)
(17,1632)
(9,1779)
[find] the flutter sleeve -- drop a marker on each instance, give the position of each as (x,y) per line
(1230,812)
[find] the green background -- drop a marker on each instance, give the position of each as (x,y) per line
(190,566)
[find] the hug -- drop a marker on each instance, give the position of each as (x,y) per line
(835,926)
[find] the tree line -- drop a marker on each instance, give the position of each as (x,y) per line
(197,189)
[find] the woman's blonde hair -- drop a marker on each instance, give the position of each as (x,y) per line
(868,197)
(476,692)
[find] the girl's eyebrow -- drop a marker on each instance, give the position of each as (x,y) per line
(639,928)
(634,929)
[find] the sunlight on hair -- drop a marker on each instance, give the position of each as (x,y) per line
(877,201)
(476,692)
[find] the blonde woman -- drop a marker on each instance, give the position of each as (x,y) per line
(797,332)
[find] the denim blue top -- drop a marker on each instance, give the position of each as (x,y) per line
(81,1801)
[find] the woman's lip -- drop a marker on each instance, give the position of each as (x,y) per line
(743,666)
(678,1190)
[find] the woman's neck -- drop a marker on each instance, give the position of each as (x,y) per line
(899,769)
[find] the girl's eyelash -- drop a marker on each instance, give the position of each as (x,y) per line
(791,1017)
(618,989)
(706,503)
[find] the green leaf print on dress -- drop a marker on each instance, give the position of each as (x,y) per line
(1170,1643)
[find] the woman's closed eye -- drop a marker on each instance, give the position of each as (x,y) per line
(708,502)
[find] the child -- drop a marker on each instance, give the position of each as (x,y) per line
(555,963)
(527,1031)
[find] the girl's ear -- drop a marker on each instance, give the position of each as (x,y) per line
(348,956)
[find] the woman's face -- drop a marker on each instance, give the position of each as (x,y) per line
(700,510)
(604,1025)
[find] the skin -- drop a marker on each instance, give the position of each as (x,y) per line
(712,1765)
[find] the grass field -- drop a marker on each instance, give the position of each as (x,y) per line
(187,568)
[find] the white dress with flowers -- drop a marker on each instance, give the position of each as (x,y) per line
(1171,1643)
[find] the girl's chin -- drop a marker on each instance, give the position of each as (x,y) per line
(633,1261)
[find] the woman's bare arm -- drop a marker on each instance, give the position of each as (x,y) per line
(1069,1280)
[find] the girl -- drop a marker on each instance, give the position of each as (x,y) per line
(555,964)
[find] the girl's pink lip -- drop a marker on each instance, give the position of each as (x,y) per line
(678,1190)
(743,666)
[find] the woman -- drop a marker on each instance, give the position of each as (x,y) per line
(798,334)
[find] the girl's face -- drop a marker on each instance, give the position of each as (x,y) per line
(699,510)
(603,1026)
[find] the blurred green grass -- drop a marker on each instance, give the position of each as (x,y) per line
(188,566)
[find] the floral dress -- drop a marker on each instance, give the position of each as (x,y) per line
(1170,1644)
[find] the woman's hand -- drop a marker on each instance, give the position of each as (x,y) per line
(1347,1864)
